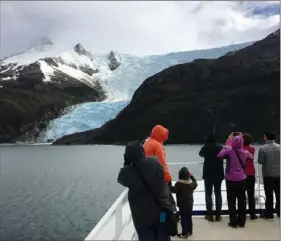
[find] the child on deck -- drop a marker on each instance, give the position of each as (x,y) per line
(184,188)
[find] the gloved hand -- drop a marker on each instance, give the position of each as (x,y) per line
(192,177)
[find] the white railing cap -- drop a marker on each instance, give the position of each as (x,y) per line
(91,236)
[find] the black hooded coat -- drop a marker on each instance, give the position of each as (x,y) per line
(213,166)
(144,208)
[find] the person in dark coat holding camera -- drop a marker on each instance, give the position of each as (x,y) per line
(213,175)
(146,211)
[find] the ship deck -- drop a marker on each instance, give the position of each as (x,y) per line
(258,229)
(117,223)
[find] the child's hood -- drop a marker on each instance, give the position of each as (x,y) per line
(189,181)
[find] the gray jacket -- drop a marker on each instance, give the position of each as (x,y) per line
(269,158)
(144,208)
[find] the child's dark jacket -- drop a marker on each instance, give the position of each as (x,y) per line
(184,192)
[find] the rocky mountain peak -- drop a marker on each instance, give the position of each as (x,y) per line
(79,49)
(114,60)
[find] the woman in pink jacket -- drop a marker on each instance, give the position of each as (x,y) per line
(228,141)
(236,180)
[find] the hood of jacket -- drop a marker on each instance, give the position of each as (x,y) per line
(211,138)
(134,153)
(159,133)
(188,181)
(237,142)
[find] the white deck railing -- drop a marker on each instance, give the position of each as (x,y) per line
(116,209)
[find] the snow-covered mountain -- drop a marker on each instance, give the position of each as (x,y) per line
(118,74)
(77,63)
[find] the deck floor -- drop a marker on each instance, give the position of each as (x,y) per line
(259,229)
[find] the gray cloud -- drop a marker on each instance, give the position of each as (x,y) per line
(132,27)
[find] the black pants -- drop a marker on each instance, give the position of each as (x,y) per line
(209,184)
(250,185)
(272,184)
(186,222)
(236,190)
(158,232)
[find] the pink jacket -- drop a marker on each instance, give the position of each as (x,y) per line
(234,170)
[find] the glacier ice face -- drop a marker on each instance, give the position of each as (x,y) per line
(81,118)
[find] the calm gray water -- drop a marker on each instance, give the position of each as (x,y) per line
(60,193)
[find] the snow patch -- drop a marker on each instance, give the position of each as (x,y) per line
(6,78)
(47,70)
(79,60)
(31,56)
(77,74)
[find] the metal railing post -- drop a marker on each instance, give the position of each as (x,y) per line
(259,186)
(118,221)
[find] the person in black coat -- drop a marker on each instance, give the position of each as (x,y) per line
(146,211)
(213,175)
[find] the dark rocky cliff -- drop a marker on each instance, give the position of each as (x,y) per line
(239,91)
(28,103)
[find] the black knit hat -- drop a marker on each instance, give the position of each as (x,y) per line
(184,173)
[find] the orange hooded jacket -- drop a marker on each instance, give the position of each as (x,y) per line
(153,146)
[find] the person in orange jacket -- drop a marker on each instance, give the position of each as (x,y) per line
(153,146)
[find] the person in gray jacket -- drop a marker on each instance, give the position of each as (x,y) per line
(269,158)
(146,211)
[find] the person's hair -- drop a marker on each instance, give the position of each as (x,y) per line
(270,135)
(236,133)
(184,173)
(248,139)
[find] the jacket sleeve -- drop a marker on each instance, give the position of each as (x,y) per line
(194,184)
(121,178)
(223,153)
(201,152)
(161,189)
(253,151)
(176,188)
(249,155)
(159,152)
(261,156)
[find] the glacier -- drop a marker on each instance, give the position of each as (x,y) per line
(120,85)
(81,118)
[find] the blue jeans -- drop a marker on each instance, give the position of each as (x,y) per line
(186,222)
(157,232)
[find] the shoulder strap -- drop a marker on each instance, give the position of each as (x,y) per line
(242,165)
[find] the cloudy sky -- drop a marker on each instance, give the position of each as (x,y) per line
(139,27)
